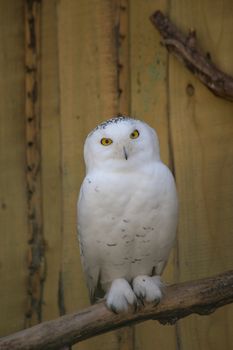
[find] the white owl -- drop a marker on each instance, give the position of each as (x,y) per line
(127,213)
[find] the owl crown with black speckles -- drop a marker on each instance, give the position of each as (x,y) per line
(116,119)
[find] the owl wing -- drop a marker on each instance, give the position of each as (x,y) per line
(92,271)
(88,256)
(158,270)
(168,217)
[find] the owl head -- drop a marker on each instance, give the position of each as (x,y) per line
(121,144)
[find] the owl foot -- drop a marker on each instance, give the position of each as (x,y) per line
(148,288)
(120,296)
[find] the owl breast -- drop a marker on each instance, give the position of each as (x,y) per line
(127,223)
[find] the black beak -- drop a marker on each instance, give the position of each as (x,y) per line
(125,153)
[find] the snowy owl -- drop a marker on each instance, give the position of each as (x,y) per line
(127,213)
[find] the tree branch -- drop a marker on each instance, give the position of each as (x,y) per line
(184,48)
(203,297)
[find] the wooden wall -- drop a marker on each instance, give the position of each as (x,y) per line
(95,58)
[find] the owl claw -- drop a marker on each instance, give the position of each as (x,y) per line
(120,296)
(113,309)
(135,304)
(141,299)
(148,289)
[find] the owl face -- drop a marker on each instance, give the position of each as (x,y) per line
(121,143)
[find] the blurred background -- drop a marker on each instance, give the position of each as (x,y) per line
(65,66)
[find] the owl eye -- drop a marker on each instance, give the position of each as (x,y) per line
(106,141)
(135,134)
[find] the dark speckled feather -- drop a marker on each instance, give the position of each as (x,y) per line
(114,120)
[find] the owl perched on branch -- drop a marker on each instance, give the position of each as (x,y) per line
(127,213)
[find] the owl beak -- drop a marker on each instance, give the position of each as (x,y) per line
(125,153)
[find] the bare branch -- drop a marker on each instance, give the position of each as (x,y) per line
(180,300)
(184,48)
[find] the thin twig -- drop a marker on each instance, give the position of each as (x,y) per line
(185,49)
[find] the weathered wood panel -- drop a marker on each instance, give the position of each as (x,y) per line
(36,247)
(202,140)
(88,88)
(13,210)
(51,161)
(149,102)
(122,33)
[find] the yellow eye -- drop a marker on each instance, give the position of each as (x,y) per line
(105,141)
(134,134)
